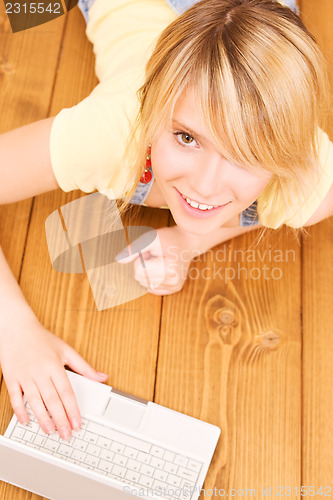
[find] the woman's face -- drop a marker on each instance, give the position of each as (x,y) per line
(192,175)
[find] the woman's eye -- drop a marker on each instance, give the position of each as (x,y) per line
(185,139)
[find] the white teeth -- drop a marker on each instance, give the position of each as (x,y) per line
(194,204)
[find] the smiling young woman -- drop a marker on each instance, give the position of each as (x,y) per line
(230,103)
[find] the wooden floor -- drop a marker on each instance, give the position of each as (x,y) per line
(251,353)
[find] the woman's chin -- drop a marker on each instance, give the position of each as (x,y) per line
(196,227)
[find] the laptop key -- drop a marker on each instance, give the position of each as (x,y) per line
(90,437)
(156,451)
(147,470)
(173,480)
(130,452)
(64,449)
(39,440)
(179,460)
(169,456)
(117,447)
(146,481)
(172,468)
(132,476)
(91,460)
(78,455)
(186,474)
(160,475)
(18,432)
(93,450)
(119,471)
(104,442)
(195,466)
(79,444)
(107,455)
(133,465)
(159,486)
(157,462)
(120,460)
(143,457)
(29,436)
(51,445)
(105,466)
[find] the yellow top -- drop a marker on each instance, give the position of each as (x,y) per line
(88,140)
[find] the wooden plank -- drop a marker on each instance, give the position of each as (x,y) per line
(122,341)
(230,354)
(28,67)
(26,80)
(317,355)
(318,17)
(317,271)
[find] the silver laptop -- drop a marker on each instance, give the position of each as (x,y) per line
(125,447)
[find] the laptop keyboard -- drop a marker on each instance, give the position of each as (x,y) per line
(117,455)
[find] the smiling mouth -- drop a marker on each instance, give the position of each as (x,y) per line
(200,206)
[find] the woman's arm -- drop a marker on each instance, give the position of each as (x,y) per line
(26,168)
(32,359)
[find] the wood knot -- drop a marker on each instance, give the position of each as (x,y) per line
(6,68)
(223,320)
(268,340)
(226,316)
(5,26)
(264,343)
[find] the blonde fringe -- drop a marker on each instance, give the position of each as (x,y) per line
(262,85)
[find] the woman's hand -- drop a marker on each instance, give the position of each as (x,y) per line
(33,360)
(166,260)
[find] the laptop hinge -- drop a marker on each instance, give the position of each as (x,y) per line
(130,396)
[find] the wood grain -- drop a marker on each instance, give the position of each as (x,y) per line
(317,287)
(235,359)
(247,343)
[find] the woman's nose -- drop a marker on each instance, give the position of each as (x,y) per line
(212,177)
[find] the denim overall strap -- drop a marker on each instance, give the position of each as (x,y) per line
(181,6)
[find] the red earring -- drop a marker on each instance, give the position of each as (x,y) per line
(147,175)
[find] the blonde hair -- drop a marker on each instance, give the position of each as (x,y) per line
(261,83)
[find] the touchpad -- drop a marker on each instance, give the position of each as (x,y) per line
(124,412)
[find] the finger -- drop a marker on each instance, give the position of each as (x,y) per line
(54,406)
(37,406)
(143,245)
(150,271)
(163,291)
(16,400)
(66,394)
(80,365)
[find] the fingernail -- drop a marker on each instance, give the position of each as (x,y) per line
(101,374)
(50,429)
(64,432)
(24,421)
(75,423)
